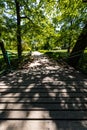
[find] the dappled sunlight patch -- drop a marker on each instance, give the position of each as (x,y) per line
(36,96)
(14,106)
(2,84)
(36,53)
(38,113)
(44,60)
(64,94)
(53,81)
(4,126)
(12,125)
(85,82)
(64,105)
(48,79)
(34,125)
(52,95)
(2,106)
(73,89)
(17,114)
(84,123)
(55,90)
(38,76)
(64,91)
(71,77)
(16,94)
(20,80)
(29,87)
(52,67)
(7,94)
(40,125)
(8,100)
(34,64)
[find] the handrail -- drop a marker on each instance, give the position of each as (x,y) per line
(12,52)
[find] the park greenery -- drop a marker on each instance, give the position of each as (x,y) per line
(48,25)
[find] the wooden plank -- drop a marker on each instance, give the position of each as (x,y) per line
(45,115)
(28,106)
(44,95)
(43,90)
(43,125)
(48,100)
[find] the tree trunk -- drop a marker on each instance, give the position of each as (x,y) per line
(70,37)
(68,50)
(79,48)
(19,46)
(4,54)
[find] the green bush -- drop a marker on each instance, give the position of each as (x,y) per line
(25,47)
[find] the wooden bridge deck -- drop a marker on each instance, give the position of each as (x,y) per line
(43,97)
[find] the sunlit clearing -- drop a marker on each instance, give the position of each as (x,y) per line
(36,53)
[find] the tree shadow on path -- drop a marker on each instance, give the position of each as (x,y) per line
(57,94)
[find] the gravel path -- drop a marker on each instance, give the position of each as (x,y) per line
(43,96)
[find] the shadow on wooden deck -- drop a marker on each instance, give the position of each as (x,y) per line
(44,97)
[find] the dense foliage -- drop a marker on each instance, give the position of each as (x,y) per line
(51,22)
(41,24)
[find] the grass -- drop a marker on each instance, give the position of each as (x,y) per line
(56,54)
(44,51)
(15,63)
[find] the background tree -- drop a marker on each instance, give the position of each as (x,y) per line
(18,28)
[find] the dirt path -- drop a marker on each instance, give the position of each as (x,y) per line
(45,96)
